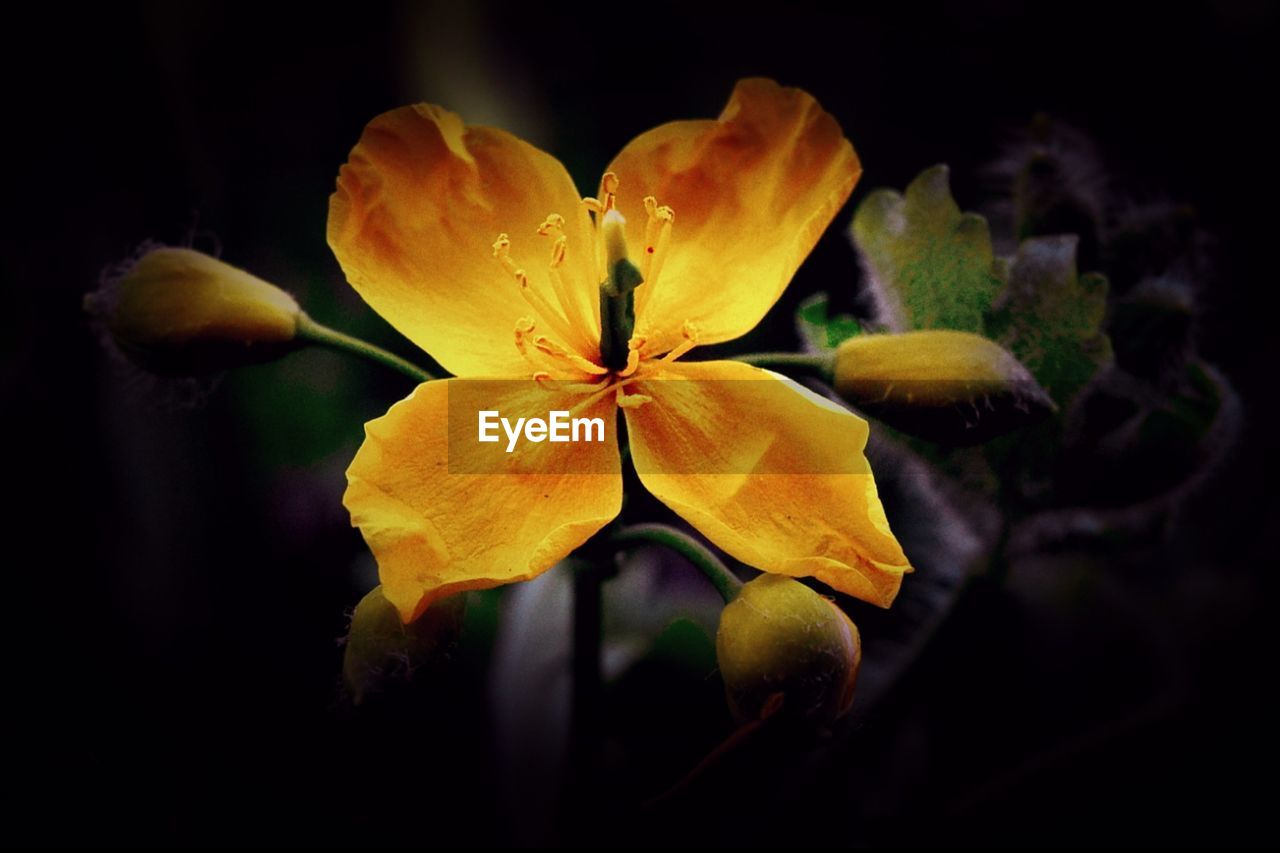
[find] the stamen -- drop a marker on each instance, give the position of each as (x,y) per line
(596,397)
(570,309)
(650,235)
(657,241)
(502,253)
(557,251)
(524,328)
(551,348)
(608,191)
(633,356)
(544,309)
(539,355)
(630,401)
(690,333)
(545,379)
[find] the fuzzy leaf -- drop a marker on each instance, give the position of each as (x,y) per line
(1050,316)
(930,265)
(818,330)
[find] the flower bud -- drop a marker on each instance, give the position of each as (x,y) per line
(177,311)
(379,644)
(784,648)
(947,386)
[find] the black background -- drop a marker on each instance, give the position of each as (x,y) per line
(170,671)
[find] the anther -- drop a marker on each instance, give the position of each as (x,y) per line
(630,401)
(553,224)
(524,328)
(608,190)
(690,333)
(502,254)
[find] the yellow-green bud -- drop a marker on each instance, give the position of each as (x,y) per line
(944,385)
(379,644)
(784,648)
(178,311)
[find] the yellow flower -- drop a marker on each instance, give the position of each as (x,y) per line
(476,246)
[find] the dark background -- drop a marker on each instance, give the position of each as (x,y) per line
(178,564)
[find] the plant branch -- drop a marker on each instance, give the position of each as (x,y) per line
(313,332)
(725,581)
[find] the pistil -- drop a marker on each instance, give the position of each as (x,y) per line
(617,294)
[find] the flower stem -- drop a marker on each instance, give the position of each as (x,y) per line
(310,330)
(794,364)
(725,581)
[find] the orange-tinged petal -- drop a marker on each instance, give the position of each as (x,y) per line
(418,207)
(769,471)
(751,193)
(435,531)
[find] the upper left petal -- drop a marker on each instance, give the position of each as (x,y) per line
(417,208)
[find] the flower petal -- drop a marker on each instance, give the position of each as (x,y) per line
(435,531)
(418,207)
(751,192)
(769,471)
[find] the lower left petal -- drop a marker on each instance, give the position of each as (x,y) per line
(438,527)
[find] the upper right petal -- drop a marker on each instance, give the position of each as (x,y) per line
(418,206)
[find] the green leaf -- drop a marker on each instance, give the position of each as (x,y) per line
(1050,317)
(931,266)
(818,330)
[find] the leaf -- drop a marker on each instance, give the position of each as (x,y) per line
(818,330)
(1050,317)
(930,265)
(953,388)
(1125,448)
(1058,184)
(1152,328)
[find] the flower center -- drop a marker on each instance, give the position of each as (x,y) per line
(626,287)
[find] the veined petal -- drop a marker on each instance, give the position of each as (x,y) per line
(436,532)
(751,192)
(418,207)
(769,471)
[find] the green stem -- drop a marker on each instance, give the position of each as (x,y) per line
(310,330)
(725,581)
(795,364)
